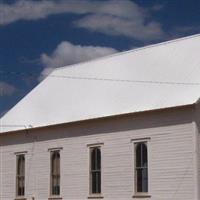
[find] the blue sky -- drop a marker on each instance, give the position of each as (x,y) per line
(38,36)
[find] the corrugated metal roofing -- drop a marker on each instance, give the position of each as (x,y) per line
(154,77)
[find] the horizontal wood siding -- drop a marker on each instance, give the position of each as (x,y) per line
(197,129)
(171,157)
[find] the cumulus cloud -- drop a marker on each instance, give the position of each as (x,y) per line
(122,17)
(67,53)
(6,89)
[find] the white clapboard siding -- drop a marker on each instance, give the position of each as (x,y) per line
(170,136)
(197,149)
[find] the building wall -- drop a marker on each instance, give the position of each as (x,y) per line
(171,135)
(197,146)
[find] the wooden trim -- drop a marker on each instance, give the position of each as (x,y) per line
(98,144)
(135,144)
(55,149)
(20,152)
(55,198)
(90,171)
(140,139)
(17,176)
(50,186)
(141,196)
(95,196)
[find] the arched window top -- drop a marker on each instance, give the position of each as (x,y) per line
(55,159)
(141,167)
(141,155)
(95,151)
(95,158)
(20,176)
(55,173)
(20,164)
(55,155)
(95,170)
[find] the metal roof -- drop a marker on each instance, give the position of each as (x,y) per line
(154,77)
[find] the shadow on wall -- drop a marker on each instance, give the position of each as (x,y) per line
(137,121)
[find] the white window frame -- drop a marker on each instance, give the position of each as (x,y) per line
(91,146)
(134,144)
(51,151)
(16,176)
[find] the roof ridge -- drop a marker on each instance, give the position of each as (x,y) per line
(130,51)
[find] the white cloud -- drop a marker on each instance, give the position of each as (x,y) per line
(32,10)
(67,53)
(6,89)
(111,25)
(124,17)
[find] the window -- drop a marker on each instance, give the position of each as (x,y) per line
(141,167)
(95,170)
(20,175)
(55,173)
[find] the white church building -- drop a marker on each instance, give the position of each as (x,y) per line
(122,127)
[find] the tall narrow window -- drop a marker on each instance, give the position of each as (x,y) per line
(20,176)
(141,168)
(95,170)
(55,173)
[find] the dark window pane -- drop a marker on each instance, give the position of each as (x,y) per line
(98,159)
(138,155)
(55,173)
(95,170)
(20,186)
(144,155)
(55,163)
(96,182)
(139,180)
(93,159)
(145,180)
(99,183)
(142,180)
(20,175)
(56,190)
(141,168)
(20,165)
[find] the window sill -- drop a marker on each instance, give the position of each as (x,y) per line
(95,196)
(20,198)
(55,198)
(141,196)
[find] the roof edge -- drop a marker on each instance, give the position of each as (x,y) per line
(130,51)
